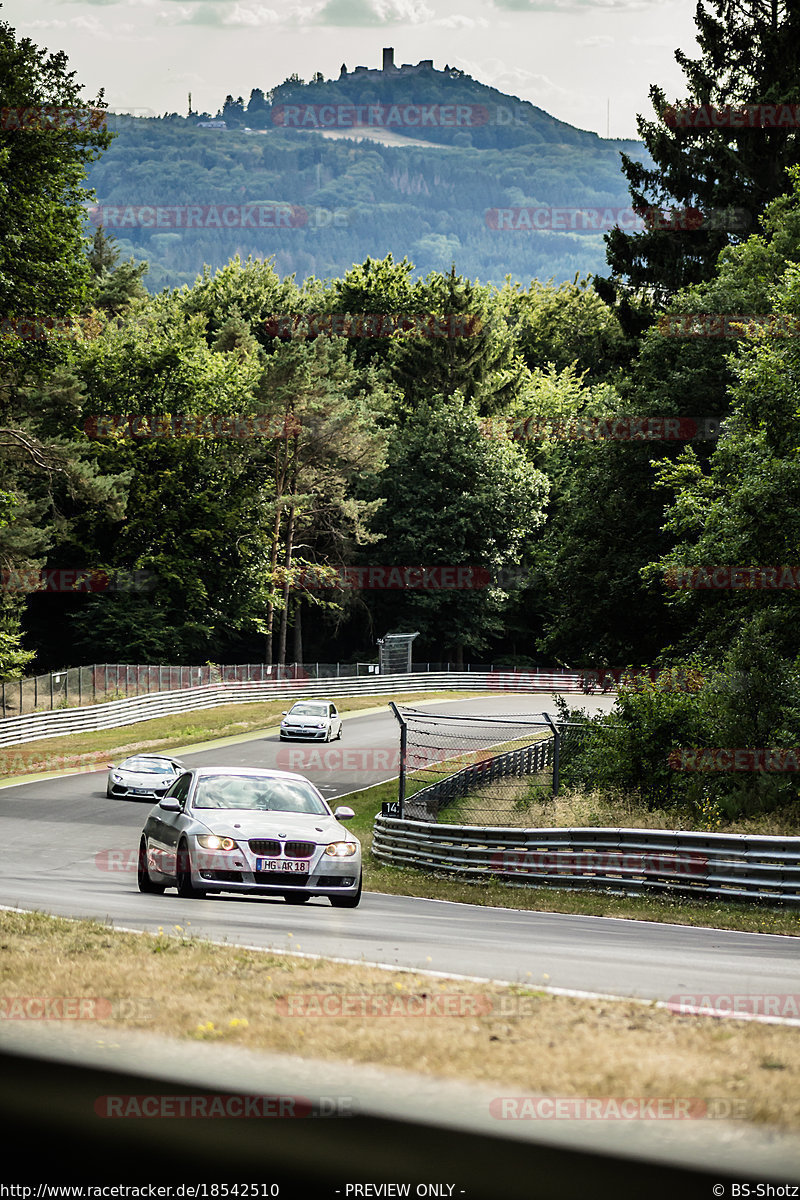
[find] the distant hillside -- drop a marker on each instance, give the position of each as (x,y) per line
(409,162)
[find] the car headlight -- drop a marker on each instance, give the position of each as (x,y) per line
(210,841)
(116,777)
(341,849)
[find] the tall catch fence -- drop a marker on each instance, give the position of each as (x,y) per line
(75,687)
(475,770)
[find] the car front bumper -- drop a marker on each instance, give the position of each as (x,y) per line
(305,735)
(236,871)
(123,789)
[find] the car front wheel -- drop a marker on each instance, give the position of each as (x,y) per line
(351,901)
(186,888)
(146,884)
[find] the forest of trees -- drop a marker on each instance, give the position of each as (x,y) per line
(366,199)
(412,450)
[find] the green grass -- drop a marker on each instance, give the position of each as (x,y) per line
(401,881)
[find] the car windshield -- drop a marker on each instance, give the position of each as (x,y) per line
(148,766)
(258,794)
(309,710)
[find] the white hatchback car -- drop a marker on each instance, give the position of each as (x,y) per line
(311,720)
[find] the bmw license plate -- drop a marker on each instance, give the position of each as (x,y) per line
(282,864)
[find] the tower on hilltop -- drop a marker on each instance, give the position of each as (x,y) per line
(388,58)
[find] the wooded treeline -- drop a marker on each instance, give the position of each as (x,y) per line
(401,449)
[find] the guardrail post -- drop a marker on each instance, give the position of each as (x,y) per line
(556,755)
(401,781)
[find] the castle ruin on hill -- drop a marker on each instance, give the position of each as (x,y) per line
(389,68)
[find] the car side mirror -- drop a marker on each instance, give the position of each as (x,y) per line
(285,713)
(343,813)
(169,804)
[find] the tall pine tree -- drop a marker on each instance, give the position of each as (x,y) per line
(750,55)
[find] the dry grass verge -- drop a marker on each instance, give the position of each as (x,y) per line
(515,1038)
(529,804)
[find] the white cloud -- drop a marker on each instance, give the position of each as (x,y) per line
(354,13)
(252,15)
(577,6)
(90,25)
(599,40)
(460,22)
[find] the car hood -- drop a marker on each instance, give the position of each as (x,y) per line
(244,825)
(304,722)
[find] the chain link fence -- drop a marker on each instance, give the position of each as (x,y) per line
(73,687)
(475,770)
(101,682)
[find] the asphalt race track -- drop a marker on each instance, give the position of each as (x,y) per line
(67,849)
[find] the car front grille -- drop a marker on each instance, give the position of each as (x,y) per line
(272,849)
(280,879)
(264,847)
(299,849)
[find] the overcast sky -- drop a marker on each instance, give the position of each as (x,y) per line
(577,59)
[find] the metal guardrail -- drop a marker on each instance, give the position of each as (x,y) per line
(116,713)
(100,683)
(630,861)
(427,803)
